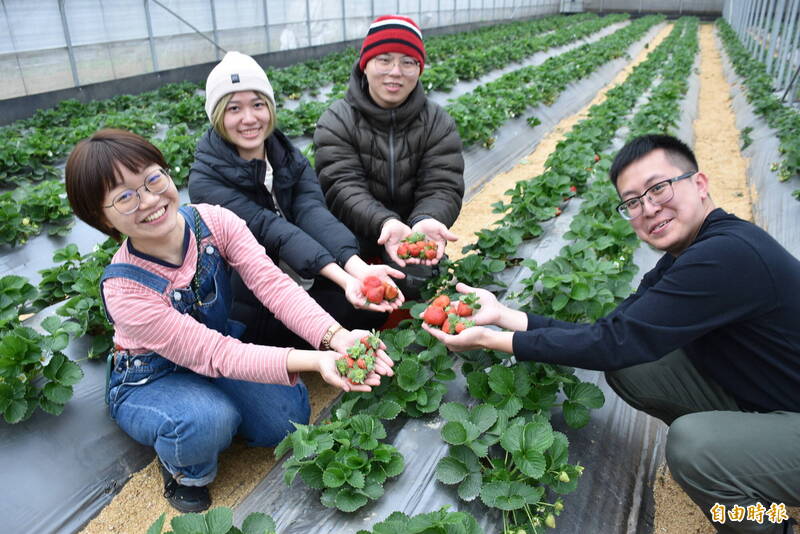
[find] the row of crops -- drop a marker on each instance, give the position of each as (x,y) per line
(503,449)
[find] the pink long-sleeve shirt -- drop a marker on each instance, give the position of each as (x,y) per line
(145,320)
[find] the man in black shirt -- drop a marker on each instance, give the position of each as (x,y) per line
(709,343)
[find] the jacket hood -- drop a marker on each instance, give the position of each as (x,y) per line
(358,96)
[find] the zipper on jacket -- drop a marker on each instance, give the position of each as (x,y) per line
(391,157)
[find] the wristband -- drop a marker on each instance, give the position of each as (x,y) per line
(325,344)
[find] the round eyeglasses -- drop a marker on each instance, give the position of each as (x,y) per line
(658,194)
(128,201)
(385,64)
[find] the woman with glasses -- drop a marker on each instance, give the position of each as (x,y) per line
(180,380)
(388,159)
(709,343)
(244,163)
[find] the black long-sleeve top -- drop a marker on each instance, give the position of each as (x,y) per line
(731,300)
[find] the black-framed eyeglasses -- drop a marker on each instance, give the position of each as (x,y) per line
(128,201)
(658,193)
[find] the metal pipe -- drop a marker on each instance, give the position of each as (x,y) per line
(204,36)
(787,51)
(793,49)
(344,21)
(308,23)
(153,54)
(777,19)
(214,26)
(14,44)
(753,29)
(762,54)
(266,24)
(72,64)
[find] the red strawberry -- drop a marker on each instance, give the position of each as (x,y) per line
(413,250)
(372,281)
(350,362)
(446,326)
(430,254)
(460,327)
(433,315)
(442,301)
(463,309)
(361,363)
(558,212)
(402,250)
(597,157)
(375,294)
(573,189)
(390,291)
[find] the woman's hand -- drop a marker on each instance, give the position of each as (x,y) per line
(344,339)
(327,369)
(392,232)
(436,232)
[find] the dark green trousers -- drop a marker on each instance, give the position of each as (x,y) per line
(719,454)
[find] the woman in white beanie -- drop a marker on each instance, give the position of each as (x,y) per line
(244,163)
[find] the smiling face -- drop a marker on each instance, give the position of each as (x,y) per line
(672,226)
(391,89)
(154,227)
(247,122)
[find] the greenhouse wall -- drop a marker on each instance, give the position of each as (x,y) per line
(771,33)
(91,41)
(704,8)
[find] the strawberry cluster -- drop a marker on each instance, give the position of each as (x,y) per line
(360,359)
(417,246)
(449,315)
(377,290)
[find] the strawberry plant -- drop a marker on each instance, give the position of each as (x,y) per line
(441,521)
(343,459)
(760,94)
(215,521)
(34,372)
(16,293)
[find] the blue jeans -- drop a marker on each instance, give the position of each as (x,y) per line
(189,418)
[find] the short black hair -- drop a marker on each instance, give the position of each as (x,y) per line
(93,169)
(677,151)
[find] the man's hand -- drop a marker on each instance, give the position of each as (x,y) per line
(437,232)
(470,338)
(490,311)
(392,232)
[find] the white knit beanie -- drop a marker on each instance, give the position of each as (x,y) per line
(236,72)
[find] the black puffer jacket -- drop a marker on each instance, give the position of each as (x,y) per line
(308,237)
(374,163)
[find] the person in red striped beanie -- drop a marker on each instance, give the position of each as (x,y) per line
(388,158)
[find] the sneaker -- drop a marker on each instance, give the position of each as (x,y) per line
(184,498)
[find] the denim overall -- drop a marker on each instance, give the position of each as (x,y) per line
(189,418)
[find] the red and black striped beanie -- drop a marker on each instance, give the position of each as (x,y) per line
(393,33)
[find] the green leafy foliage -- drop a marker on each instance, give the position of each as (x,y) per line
(441,521)
(215,521)
(344,459)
